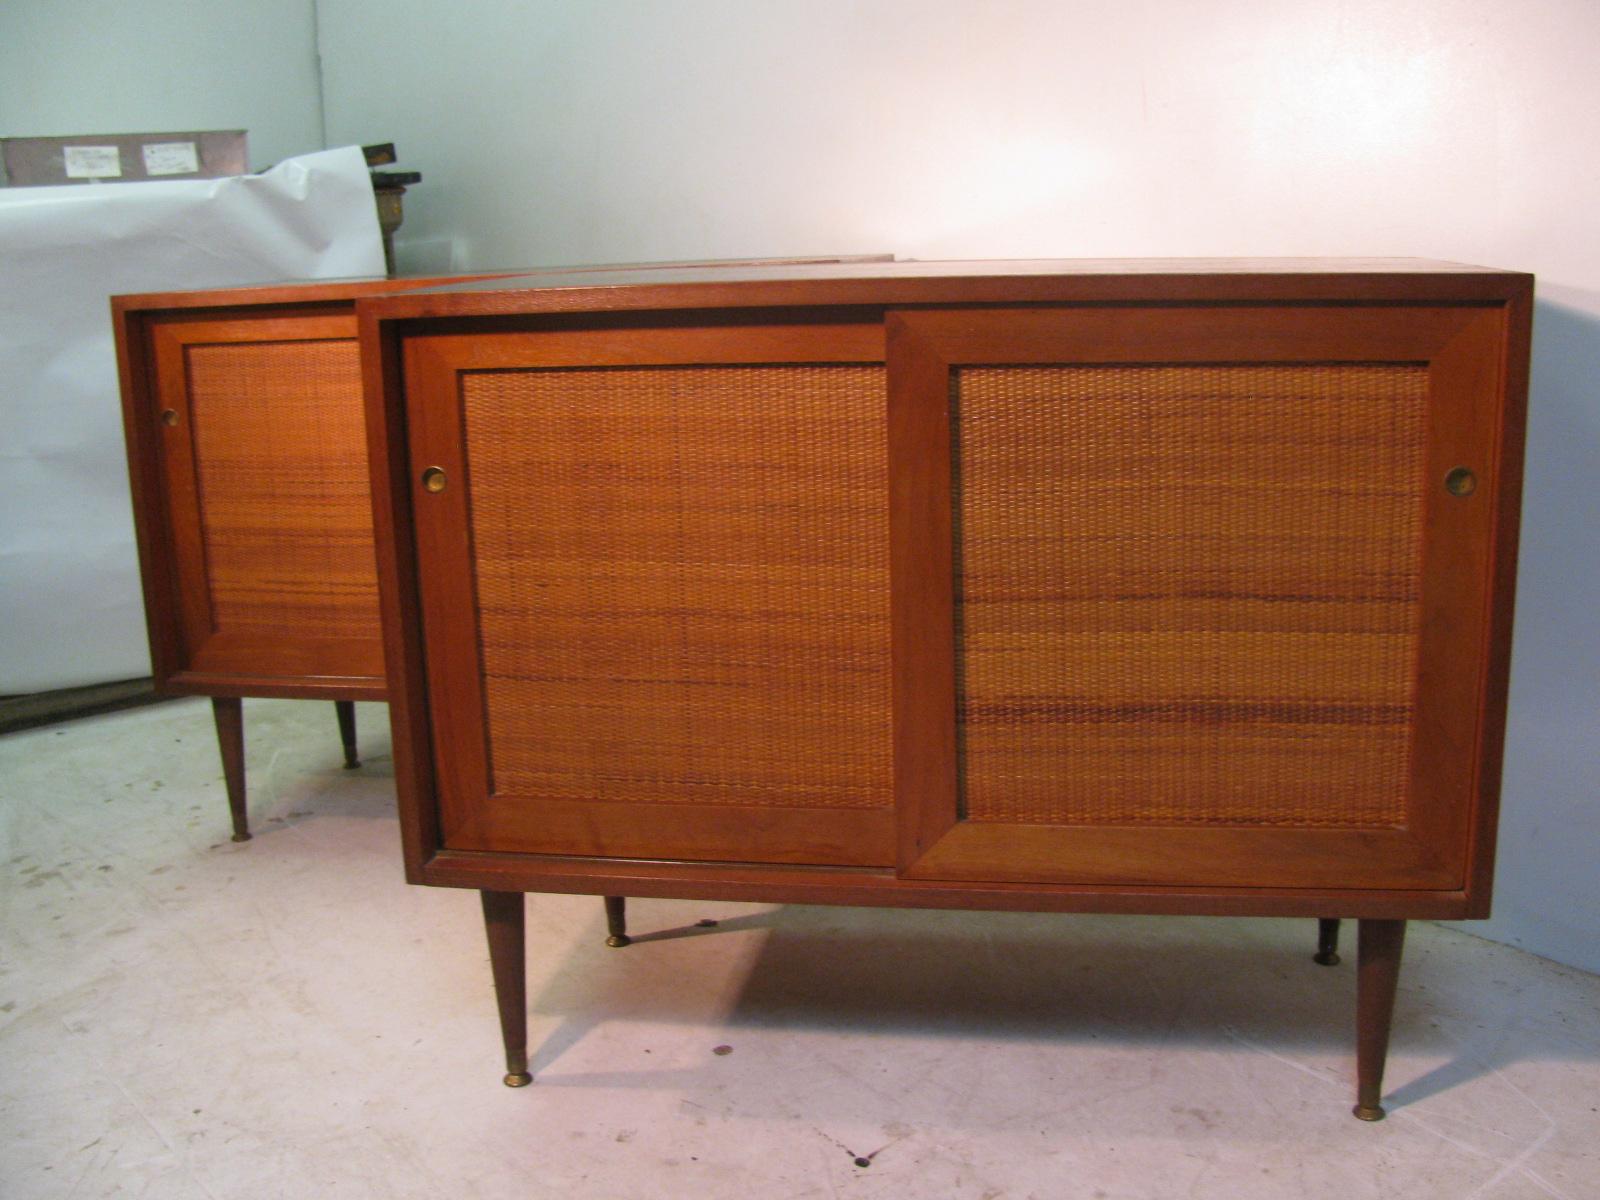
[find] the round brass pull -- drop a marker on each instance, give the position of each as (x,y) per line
(169,417)
(433,479)
(1461,482)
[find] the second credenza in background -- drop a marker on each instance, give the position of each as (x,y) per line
(252,506)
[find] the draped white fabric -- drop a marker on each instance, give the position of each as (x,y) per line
(71,612)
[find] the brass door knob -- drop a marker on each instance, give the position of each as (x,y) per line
(433,479)
(1461,482)
(169,417)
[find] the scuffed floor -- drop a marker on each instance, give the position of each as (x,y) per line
(185,1017)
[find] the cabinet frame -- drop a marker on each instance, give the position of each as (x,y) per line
(688,298)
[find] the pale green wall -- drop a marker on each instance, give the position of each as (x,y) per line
(562,130)
(95,66)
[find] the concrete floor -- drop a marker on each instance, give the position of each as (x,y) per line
(185,1017)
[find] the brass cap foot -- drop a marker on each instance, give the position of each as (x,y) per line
(241,837)
(1329,959)
(618,940)
(518,1079)
(1368,1112)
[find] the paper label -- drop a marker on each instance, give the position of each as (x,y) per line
(92,162)
(171,158)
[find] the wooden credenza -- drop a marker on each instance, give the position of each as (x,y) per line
(1173,587)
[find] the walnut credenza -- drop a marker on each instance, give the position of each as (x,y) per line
(1173,587)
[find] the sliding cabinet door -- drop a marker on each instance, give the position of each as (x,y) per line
(655,585)
(1191,596)
(264,467)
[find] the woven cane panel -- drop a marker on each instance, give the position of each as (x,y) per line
(683,585)
(285,500)
(1188,595)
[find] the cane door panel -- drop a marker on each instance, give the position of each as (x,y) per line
(655,590)
(265,464)
(1182,597)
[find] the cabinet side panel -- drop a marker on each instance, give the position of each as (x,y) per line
(1188,595)
(142,436)
(682,579)
(285,501)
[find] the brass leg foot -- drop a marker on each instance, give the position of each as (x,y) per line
(1327,954)
(1377,974)
(503,922)
(617,922)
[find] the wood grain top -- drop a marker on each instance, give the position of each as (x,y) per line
(312,291)
(1167,280)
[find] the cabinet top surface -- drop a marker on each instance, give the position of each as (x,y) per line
(300,291)
(311,291)
(1173,280)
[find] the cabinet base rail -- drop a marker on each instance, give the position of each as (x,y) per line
(1378,972)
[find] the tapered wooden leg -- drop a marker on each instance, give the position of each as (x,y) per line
(617,921)
(1327,942)
(502,920)
(1377,974)
(228,712)
(346,709)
